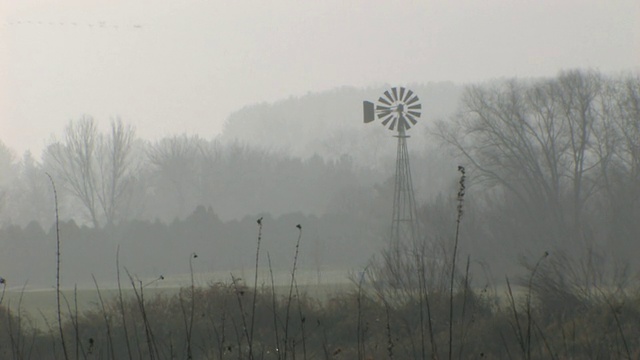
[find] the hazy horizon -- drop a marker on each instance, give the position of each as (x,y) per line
(172,68)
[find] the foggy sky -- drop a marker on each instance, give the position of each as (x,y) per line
(183,66)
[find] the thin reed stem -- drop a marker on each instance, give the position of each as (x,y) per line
(528,304)
(255,287)
(390,344)
(516,326)
(143,311)
(192,306)
(55,198)
(615,312)
(359,334)
(274,305)
(302,322)
(465,292)
(76,325)
(293,278)
(121,304)
(455,254)
(245,330)
(105,317)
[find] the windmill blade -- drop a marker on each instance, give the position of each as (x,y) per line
(383,108)
(395,93)
(414,113)
(384,101)
(404,123)
(414,99)
(401,92)
(368,111)
(386,93)
(412,119)
(414,107)
(383,114)
(385,121)
(393,124)
(409,93)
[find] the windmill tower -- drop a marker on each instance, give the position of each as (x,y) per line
(399,109)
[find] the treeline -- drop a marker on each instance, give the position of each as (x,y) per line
(107,177)
(152,248)
(551,163)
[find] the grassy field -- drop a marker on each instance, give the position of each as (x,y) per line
(216,321)
(39,304)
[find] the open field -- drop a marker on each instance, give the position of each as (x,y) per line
(325,317)
(40,303)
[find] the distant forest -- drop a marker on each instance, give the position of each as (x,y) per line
(553,164)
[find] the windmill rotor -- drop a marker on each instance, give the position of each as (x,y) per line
(398,109)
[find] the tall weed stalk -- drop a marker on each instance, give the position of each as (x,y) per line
(121,305)
(290,297)
(255,287)
(105,317)
(460,199)
(275,308)
(151,346)
(55,199)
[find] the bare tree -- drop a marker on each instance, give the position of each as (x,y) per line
(176,173)
(578,95)
(510,147)
(116,168)
(621,176)
(96,168)
(627,122)
(541,142)
(73,160)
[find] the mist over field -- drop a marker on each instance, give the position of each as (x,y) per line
(185,193)
(217,181)
(534,177)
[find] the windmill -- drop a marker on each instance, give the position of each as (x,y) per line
(399,109)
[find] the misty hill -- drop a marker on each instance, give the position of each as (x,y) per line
(330,123)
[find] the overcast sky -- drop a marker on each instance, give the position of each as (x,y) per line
(172,67)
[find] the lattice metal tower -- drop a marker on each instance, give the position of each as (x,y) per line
(399,109)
